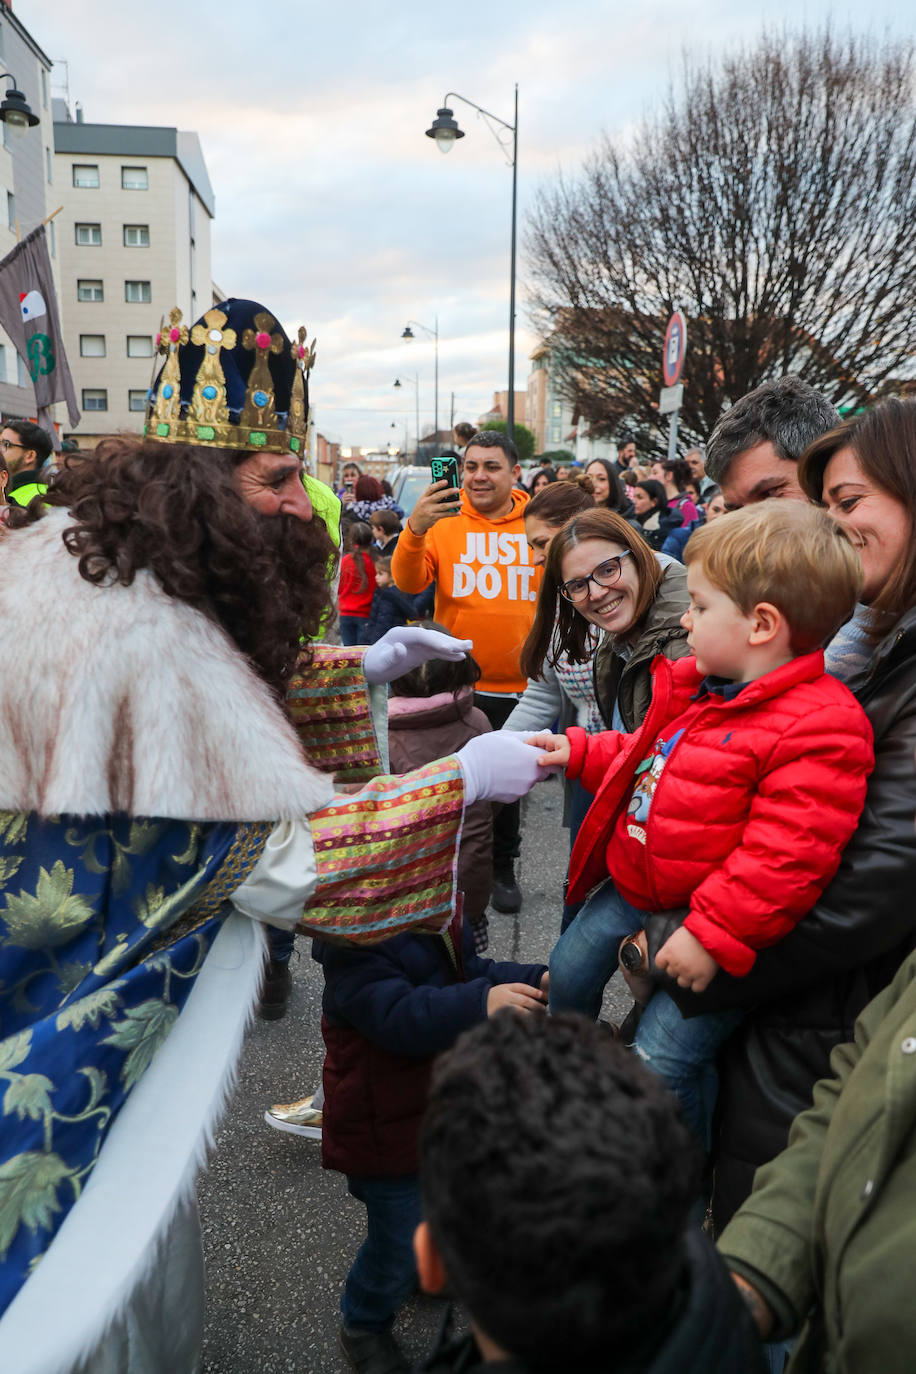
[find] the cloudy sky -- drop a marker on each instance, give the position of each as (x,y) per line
(333,209)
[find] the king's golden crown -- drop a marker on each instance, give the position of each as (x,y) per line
(207,418)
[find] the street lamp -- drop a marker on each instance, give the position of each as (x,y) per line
(445,131)
(414,383)
(433,334)
(15,109)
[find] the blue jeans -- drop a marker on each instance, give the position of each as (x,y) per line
(579,803)
(353,629)
(280,944)
(682,1051)
(384,1273)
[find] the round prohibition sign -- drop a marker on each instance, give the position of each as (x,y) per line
(675,348)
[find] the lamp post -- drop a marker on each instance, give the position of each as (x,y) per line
(433,334)
(415,383)
(445,131)
(15,109)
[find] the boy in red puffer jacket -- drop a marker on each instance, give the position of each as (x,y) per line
(738,793)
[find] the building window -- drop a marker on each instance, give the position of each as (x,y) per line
(22,372)
(86,175)
(134,179)
(139,346)
(138,292)
(556,409)
(44,87)
(136,236)
(2,362)
(52,233)
(136,400)
(89,235)
(10,207)
(95,398)
(92,345)
(89,289)
(48,165)
(555,434)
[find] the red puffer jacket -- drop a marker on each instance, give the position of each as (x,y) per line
(755,804)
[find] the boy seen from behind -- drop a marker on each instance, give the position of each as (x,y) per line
(557,1181)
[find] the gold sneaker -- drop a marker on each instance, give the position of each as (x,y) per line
(299,1118)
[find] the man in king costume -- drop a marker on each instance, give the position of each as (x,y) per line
(173,739)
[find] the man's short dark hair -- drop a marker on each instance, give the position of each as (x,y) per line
(788,412)
(494,438)
(32,436)
(557,1181)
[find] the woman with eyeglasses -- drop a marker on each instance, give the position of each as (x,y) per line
(605,600)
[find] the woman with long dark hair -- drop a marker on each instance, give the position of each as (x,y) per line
(650,502)
(544,477)
(634,604)
(608,489)
(588,659)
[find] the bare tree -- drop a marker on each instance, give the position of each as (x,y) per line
(773,200)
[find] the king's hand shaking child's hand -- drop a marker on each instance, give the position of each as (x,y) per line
(684,958)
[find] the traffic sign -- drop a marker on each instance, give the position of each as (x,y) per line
(675,348)
(670,398)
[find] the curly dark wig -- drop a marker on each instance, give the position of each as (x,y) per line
(176,510)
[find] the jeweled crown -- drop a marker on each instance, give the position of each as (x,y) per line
(234,380)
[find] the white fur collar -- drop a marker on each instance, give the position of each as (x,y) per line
(123,699)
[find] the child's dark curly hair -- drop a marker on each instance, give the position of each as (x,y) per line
(557,1181)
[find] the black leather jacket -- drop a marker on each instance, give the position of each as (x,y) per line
(804,994)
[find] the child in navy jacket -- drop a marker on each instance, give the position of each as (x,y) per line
(387,1010)
(390,606)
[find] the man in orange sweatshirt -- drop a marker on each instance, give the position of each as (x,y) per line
(473,546)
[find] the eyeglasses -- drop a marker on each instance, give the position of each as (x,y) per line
(7,444)
(605,575)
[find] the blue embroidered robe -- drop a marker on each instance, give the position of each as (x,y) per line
(104,925)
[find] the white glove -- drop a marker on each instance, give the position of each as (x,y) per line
(406,647)
(499,767)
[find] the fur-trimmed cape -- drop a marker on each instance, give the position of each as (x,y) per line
(122,699)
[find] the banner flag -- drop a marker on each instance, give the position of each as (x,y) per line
(28,314)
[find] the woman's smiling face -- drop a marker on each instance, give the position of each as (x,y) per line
(613,608)
(600,485)
(877,523)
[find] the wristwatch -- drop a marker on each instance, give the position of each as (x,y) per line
(631,956)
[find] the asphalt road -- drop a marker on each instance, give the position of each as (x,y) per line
(279,1232)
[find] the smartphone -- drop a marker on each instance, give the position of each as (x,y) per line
(446,469)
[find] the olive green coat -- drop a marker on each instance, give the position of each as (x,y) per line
(829,1232)
(628,680)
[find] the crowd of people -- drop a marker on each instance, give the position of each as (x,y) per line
(259,709)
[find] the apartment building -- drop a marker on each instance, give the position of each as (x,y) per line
(553,419)
(27,190)
(133,241)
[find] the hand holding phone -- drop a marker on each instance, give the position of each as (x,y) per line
(446,470)
(439,499)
